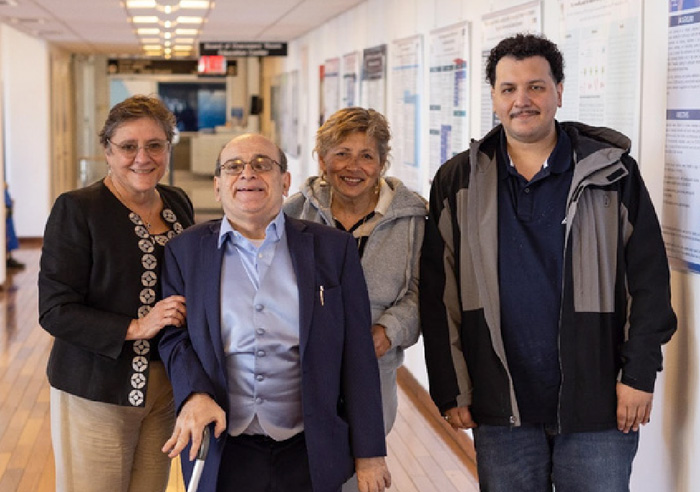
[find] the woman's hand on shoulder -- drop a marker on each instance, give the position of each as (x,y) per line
(170,311)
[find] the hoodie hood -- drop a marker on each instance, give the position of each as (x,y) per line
(405,203)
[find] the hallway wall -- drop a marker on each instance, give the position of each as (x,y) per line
(26,98)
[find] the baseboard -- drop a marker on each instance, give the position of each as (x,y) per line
(31,241)
(460,442)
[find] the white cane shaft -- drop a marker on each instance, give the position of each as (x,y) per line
(196,475)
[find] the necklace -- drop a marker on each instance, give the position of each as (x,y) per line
(147,221)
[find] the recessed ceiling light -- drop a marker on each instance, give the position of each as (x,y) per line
(186,32)
(151,47)
(145,19)
(140,4)
(179,47)
(185,19)
(194,4)
(147,30)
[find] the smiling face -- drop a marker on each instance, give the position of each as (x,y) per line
(139,174)
(525,98)
(252,199)
(352,167)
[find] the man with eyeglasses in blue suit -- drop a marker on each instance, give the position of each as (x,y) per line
(277,352)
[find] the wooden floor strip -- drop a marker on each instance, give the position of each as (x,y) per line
(425,455)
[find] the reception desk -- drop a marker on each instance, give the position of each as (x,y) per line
(205,148)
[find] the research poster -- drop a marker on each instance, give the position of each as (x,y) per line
(602,48)
(351,64)
(406,83)
(331,87)
(681,205)
(373,86)
(449,94)
(495,27)
(285,112)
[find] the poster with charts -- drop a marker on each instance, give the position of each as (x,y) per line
(602,46)
(373,86)
(406,84)
(331,87)
(449,94)
(284,112)
(351,64)
(681,208)
(495,27)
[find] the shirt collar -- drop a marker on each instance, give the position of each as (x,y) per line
(558,162)
(386,195)
(273,232)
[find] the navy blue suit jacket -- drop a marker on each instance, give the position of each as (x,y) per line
(341,400)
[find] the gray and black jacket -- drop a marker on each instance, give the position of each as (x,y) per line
(615,310)
(389,262)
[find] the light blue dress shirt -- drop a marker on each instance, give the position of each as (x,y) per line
(260,333)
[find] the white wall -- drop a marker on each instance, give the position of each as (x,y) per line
(669,444)
(3,244)
(25,93)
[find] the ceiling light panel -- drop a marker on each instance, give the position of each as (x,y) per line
(164,24)
(140,4)
(145,19)
(187,19)
(194,4)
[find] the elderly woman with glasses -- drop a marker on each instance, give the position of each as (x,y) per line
(386,219)
(99,296)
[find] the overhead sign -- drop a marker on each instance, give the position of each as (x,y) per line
(243,48)
(150,66)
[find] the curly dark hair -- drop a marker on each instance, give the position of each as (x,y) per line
(523,46)
(134,108)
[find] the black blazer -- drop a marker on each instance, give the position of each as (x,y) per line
(99,269)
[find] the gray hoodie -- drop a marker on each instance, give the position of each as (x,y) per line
(390,259)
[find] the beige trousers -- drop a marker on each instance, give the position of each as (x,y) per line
(99,446)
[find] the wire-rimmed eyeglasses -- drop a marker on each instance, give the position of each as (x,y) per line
(154,148)
(259,164)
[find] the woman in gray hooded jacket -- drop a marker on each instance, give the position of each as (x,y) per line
(387,221)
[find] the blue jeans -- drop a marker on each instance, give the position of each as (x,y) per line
(532,458)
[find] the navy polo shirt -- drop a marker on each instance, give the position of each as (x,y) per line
(530,259)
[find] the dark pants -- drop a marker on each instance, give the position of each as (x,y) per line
(261,464)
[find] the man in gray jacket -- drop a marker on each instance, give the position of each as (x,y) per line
(544,289)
